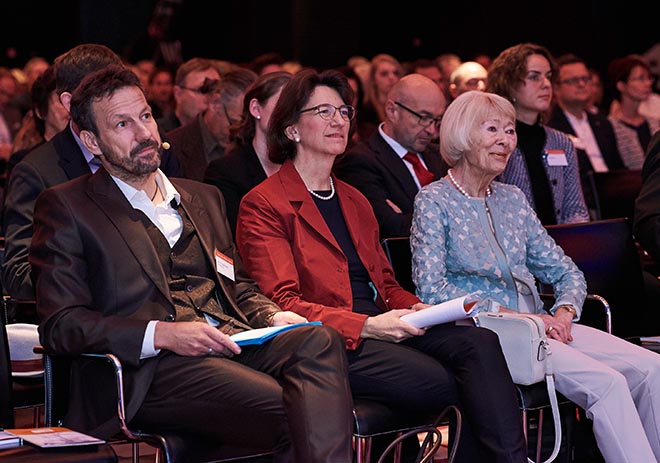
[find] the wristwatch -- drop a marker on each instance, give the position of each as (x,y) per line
(568,308)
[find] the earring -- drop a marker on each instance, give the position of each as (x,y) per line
(258,118)
(297,139)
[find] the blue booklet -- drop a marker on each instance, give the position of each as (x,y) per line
(261,335)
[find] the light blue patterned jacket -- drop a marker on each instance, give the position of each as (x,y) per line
(564,180)
(456,253)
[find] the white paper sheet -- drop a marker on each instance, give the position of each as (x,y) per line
(445,312)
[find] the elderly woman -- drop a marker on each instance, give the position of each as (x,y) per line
(544,165)
(471,234)
(312,244)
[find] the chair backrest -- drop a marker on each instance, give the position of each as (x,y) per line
(606,253)
(6,387)
(400,256)
(615,192)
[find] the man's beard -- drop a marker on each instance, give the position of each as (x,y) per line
(132,166)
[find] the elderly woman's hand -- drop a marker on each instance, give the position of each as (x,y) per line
(389,327)
(559,326)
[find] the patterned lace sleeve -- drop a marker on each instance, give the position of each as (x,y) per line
(549,264)
(428,243)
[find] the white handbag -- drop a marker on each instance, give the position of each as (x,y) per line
(527,354)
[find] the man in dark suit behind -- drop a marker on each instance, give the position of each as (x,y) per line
(592,134)
(62,158)
(128,262)
(379,166)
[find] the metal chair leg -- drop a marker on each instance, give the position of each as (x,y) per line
(539,436)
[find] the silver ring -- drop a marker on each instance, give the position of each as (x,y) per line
(551,328)
(210,351)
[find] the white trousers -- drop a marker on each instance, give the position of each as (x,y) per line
(618,385)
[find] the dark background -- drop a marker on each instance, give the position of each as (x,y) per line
(325,33)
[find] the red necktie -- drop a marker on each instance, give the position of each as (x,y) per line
(423,175)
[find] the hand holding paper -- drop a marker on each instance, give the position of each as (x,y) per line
(449,311)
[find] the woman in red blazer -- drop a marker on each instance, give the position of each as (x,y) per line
(312,244)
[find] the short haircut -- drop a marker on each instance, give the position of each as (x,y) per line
(72,66)
(463,116)
(293,98)
(193,65)
(94,87)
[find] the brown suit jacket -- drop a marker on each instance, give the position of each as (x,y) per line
(292,254)
(98,282)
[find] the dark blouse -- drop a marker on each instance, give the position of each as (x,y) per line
(361,286)
(531,141)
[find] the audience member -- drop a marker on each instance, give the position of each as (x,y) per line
(189,98)
(428,68)
(544,164)
(47,118)
(595,92)
(160,93)
(128,226)
(484,59)
(246,163)
(300,222)
(384,166)
(647,206)
(33,68)
(10,116)
(384,72)
(205,139)
(467,76)
(631,84)
(447,62)
(358,98)
(56,161)
(267,62)
(591,134)
(472,235)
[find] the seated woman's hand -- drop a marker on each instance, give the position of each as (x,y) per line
(287,318)
(559,326)
(389,327)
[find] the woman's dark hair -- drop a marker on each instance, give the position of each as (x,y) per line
(293,98)
(509,69)
(99,84)
(261,90)
(619,70)
(40,93)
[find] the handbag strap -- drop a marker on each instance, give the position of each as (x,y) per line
(554,404)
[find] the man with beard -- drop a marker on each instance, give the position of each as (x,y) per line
(128,262)
(62,158)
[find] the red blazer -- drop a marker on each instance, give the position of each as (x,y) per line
(289,250)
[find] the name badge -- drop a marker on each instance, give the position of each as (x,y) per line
(556,158)
(224,265)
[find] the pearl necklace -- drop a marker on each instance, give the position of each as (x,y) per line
(461,189)
(325,198)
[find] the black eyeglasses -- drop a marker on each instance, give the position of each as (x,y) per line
(576,80)
(424,121)
(327,111)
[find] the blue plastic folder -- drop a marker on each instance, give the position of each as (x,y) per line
(262,335)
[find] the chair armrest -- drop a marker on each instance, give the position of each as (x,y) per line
(592,300)
(49,380)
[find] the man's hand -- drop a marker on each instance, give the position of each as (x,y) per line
(389,327)
(286,318)
(193,339)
